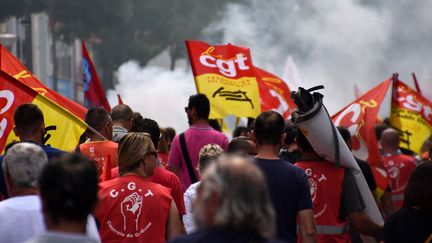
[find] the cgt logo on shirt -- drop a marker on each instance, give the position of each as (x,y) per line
(314,180)
(130,209)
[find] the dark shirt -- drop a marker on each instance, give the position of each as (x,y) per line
(215,235)
(51,153)
(291,157)
(289,191)
(408,225)
(367,172)
(351,199)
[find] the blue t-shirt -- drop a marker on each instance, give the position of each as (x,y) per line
(289,191)
(215,235)
(51,153)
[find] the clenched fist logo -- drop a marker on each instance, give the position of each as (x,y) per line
(131,209)
(313,188)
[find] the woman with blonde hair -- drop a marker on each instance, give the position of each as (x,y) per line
(131,208)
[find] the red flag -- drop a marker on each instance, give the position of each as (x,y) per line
(94,95)
(274,93)
(359,117)
(411,114)
(119,100)
(11,65)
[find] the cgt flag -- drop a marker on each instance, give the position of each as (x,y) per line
(360,117)
(274,93)
(226,75)
(63,129)
(411,114)
(94,96)
(11,65)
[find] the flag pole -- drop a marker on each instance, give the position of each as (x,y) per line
(416,83)
(96,132)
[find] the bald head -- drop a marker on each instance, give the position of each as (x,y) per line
(122,115)
(390,139)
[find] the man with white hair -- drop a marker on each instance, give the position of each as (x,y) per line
(232,205)
(21,215)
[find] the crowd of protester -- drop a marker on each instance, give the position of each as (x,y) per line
(130,180)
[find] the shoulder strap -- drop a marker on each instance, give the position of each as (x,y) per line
(188,161)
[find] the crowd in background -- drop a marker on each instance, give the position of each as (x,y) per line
(131,181)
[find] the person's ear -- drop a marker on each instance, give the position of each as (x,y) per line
(252,136)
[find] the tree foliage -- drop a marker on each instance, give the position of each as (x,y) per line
(127,29)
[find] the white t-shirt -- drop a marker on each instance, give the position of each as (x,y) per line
(21,219)
(189,197)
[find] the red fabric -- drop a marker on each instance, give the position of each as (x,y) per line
(93,91)
(197,48)
(167,179)
(106,174)
(359,118)
(325,181)
(163,157)
(132,209)
(12,95)
(274,93)
(11,65)
(98,151)
(399,169)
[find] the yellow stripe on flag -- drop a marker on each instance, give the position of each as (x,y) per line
(63,129)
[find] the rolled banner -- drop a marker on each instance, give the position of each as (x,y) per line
(315,123)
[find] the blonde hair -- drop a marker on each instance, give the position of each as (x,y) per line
(207,154)
(132,148)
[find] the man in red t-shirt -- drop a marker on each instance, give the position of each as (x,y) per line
(97,148)
(399,166)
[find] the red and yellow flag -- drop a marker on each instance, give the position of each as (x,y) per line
(359,117)
(226,75)
(274,93)
(411,114)
(63,129)
(11,65)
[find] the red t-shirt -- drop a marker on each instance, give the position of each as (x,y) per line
(163,157)
(167,179)
(98,151)
(132,209)
(399,168)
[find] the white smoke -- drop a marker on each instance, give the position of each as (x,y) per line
(155,92)
(335,43)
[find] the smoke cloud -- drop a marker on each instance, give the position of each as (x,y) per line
(335,43)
